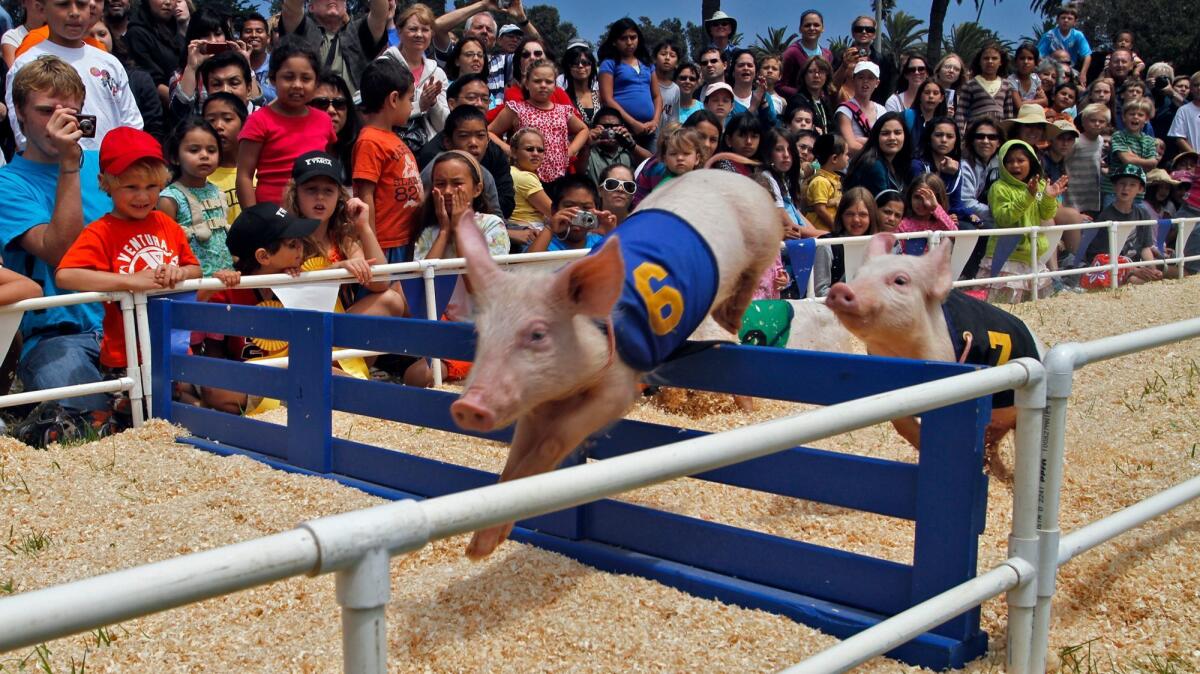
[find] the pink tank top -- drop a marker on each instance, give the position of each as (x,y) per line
(553,125)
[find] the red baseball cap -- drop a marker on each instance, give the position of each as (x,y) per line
(125,145)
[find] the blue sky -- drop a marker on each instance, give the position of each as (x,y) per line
(1011,19)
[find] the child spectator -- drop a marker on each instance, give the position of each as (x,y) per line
(564,134)
(1025,84)
(1062,105)
(616,191)
(226,113)
(194,151)
(890,204)
(626,79)
(886,160)
(533,204)
(718,100)
(743,133)
(987,94)
(769,67)
(466,130)
(799,116)
(929,104)
(925,206)
(343,238)
(567,229)
(1127,206)
(687,78)
(1130,146)
(941,154)
(1066,37)
(108,97)
(276,134)
(264,239)
(778,152)
(856,216)
(1160,188)
(666,59)
(611,143)
(1022,197)
(1084,162)
(680,150)
(1103,92)
(135,247)
(385,171)
(823,193)
(857,115)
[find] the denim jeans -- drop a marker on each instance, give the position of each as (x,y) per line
(65,360)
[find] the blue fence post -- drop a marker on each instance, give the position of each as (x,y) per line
(160,355)
(310,378)
(951,503)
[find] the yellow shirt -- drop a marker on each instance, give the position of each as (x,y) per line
(225,178)
(824,191)
(525,184)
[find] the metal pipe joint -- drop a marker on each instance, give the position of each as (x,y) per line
(342,539)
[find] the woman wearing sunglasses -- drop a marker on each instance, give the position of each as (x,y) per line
(979,168)
(333,97)
(616,191)
(687,78)
(913,73)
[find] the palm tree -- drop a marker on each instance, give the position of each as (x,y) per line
(902,32)
(1039,31)
(776,41)
(937,20)
(838,44)
(967,38)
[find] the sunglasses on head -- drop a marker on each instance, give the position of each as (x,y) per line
(323,103)
(612,185)
(864,29)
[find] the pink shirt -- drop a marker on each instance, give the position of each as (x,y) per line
(284,139)
(940,222)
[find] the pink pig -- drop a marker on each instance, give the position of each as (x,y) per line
(561,353)
(903,306)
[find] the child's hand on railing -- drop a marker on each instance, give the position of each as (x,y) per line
(358,267)
(144,280)
(228,276)
(169,275)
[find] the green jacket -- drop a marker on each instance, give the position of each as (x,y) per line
(1013,206)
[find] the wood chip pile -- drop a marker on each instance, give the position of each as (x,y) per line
(74,512)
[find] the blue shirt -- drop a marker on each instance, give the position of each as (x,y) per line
(264,82)
(28,189)
(631,89)
(592,241)
(1075,43)
(670,285)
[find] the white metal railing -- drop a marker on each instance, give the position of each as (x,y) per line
(130,383)
(1117,233)
(358,545)
(1036,545)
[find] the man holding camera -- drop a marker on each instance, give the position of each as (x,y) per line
(51,190)
(611,143)
(109,102)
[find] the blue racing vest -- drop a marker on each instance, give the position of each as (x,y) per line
(670,285)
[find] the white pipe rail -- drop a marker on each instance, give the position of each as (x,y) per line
(346,542)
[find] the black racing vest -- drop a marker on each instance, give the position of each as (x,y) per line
(989,335)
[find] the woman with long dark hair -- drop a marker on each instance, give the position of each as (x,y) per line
(886,160)
(579,79)
(334,98)
(626,79)
(941,154)
(468,56)
(929,103)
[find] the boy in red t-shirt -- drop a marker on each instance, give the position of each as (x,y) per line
(134,247)
(385,172)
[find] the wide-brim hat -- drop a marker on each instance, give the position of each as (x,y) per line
(1161,176)
(1031,113)
(1183,155)
(721,16)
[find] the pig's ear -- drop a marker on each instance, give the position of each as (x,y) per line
(472,246)
(591,285)
(881,244)
(937,265)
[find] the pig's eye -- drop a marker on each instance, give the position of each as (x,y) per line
(901,280)
(537,336)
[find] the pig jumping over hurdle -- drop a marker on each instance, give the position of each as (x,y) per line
(561,353)
(903,306)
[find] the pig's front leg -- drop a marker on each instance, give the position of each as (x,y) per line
(545,436)
(909,428)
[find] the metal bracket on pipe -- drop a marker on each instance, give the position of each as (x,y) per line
(394,527)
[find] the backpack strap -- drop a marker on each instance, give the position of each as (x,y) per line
(857,114)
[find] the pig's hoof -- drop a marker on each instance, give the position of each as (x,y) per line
(484,543)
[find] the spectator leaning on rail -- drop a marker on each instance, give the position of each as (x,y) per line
(51,190)
(344,45)
(109,98)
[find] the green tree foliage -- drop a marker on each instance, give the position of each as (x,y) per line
(937,23)
(902,32)
(237,9)
(775,41)
(967,38)
(1165,30)
(838,44)
(1037,31)
(556,32)
(668,29)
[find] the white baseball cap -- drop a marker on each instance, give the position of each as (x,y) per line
(866,67)
(510,28)
(717,86)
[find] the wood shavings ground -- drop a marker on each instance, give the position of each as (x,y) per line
(139,497)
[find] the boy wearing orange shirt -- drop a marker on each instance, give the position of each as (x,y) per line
(385,173)
(134,247)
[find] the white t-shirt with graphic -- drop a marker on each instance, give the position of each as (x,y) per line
(104,79)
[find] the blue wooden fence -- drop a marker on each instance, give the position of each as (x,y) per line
(837,591)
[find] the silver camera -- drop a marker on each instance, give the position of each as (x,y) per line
(503,4)
(585,220)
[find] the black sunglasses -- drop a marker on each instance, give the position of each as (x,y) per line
(987,136)
(323,103)
(864,29)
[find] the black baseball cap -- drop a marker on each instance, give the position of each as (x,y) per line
(314,164)
(263,224)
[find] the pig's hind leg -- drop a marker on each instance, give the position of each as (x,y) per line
(545,437)
(728,313)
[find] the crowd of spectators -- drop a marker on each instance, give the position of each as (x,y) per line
(151,143)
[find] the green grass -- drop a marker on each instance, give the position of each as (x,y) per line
(1079,659)
(32,543)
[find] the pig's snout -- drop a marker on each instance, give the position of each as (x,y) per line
(471,415)
(841,299)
